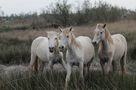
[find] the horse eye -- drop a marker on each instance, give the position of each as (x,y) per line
(101,32)
(48,38)
(55,38)
(67,36)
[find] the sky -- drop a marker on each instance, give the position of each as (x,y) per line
(25,6)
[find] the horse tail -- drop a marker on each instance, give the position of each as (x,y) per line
(123,63)
(33,62)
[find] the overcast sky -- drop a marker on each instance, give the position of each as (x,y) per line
(25,6)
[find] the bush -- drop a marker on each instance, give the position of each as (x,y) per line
(61,13)
(14,51)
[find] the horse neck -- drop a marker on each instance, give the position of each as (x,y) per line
(73,45)
(108,36)
(64,54)
(107,42)
(56,51)
(103,45)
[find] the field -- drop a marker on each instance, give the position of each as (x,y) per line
(15,56)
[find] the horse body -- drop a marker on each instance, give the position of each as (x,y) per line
(44,50)
(112,48)
(39,53)
(83,53)
(40,48)
(80,52)
(88,49)
(120,46)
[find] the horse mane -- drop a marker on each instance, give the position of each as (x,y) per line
(108,36)
(74,42)
(72,37)
(107,33)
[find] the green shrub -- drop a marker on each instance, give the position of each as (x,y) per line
(14,51)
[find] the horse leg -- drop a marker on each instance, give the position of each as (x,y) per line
(114,66)
(108,66)
(36,66)
(63,63)
(81,67)
(63,60)
(81,80)
(87,67)
(123,63)
(89,63)
(68,69)
(51,65)
(33,62)
(102,66)
(85,70)
(41,66)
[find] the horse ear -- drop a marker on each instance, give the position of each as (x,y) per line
(104,26)
(60,29)
(70,29)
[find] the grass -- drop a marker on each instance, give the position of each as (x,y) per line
(55,81)
(9,28)
(15,49)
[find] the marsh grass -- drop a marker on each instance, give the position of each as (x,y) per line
(8,27)
(55,81)
(15,49)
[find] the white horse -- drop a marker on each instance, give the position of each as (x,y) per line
(80,51)
(111,48)
(56,56)
(45,50)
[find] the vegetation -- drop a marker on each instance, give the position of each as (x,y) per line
(16,35)
(16,50)
(56,80)
(62,14)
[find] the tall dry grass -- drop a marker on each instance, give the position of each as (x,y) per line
(15,49)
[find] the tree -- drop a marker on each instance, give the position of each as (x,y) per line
(62,12)
(1,15)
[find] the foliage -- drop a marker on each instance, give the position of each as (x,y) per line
(14,51)
(63,14)
(55,81)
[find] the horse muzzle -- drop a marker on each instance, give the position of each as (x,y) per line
(94,42)
(51,49)
(61,48)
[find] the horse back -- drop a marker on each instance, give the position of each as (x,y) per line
(40,48)
(87,47)
(120,45)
